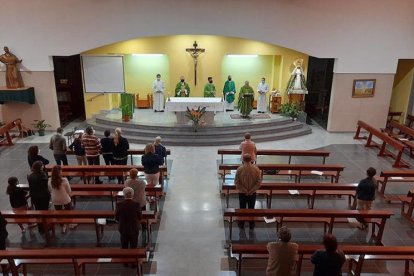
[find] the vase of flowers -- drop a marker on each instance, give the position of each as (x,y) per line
(195,116)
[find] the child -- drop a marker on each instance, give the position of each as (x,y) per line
(17,196)
(76,146)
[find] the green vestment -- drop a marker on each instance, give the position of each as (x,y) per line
(209,90)
(245,105)
(181,86)
(229,86)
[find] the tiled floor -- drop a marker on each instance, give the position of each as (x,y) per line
(191,237)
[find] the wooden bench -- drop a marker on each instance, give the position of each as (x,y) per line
(105,190)
(5,130)
(269,152)
(326,216)
(89,171)
(131,153)
(404,135)
(310,190)
(296,170)
(79,257)
(407,205)
(362,252)
(391,115)
(409,121)
(51,217)
(386,140)
(396,176)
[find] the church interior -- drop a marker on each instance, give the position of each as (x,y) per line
(325,88)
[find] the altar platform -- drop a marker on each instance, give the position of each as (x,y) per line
(226,129)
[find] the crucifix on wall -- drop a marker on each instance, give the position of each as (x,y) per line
(195,53)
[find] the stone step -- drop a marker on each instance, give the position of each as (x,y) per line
(197,140)
(184,132)
(225,132)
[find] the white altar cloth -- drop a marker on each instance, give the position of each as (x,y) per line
(181,104)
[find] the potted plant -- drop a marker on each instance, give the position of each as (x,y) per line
(290,110)
(40,125)
(126,114)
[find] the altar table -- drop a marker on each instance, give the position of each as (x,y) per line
(179,106)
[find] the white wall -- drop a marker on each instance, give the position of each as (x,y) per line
(365,36)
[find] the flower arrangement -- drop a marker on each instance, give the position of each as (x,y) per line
(195,116)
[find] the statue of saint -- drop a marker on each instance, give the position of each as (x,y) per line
(13,77)
(297,84)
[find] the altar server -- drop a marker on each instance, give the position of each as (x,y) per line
(209,89)
(158,94)
(182,89)
(229,92)
(262,90)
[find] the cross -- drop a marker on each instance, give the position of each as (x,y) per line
(195,53)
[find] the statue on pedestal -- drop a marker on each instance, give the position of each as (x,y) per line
(296,88)
(13,77)
(297,84)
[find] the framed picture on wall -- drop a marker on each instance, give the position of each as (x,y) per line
(363,88)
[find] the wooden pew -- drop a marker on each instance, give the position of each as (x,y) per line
(79,257)
(101,170)
(269,152)
(404,135)
(386,177)
(5,132)
(296,170)
(105,190)
(386,140)
(362,252)
(391,115)
(131,153)
(49,218)
(409,121)
(327,216)
(310,190)
(407,201)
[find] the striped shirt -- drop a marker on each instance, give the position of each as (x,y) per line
(91,145)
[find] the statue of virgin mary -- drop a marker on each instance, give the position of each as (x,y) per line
(296,84)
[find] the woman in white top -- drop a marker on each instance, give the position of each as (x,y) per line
(60,191)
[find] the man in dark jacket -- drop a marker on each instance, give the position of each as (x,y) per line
(365,194)
(128,214)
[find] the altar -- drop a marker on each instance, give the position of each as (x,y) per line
(179,106)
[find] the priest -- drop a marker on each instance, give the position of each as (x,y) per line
(262,90)
(229,93)
(158,94)
(182,89)
(246,96)
(209,89)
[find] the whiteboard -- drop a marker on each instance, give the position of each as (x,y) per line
(103,74)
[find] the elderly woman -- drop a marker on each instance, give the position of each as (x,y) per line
(282,254)
(151,163)
(159,148)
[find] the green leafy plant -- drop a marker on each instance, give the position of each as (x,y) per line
(195,116)
(290,110)
(126,112)
(40,125)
